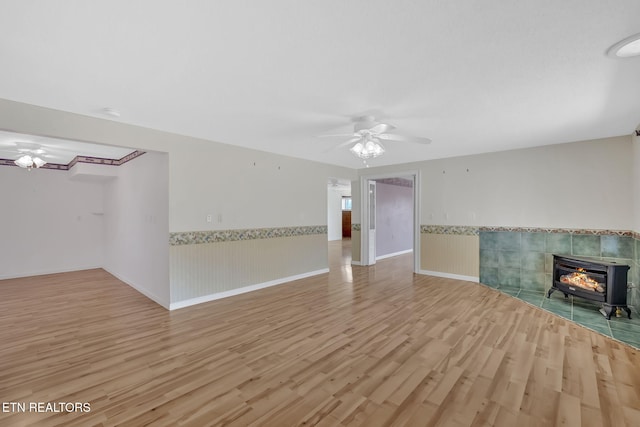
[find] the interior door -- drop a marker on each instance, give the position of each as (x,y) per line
(372,223)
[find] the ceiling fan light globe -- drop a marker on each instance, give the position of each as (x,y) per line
(357,149)
(370,146)
(38,162)
(24,162)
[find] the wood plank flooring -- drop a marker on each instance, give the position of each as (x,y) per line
(359,346)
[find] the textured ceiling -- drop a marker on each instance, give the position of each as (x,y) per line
(473,76)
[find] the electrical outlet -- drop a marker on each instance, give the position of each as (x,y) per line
(209,218)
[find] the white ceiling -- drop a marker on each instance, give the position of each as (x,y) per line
(474,76)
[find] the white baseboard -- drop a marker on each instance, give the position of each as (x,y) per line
(355,262)
(44,272)
(450,276)
(244,289)
(408,251)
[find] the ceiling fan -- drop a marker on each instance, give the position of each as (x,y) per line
(30,156)
(368,134)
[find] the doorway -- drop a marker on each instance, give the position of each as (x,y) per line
(390,218)
(339,204)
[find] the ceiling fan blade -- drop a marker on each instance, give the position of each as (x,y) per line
(349,142)
(404,138)
(344,144)
(381,128)
(334,135)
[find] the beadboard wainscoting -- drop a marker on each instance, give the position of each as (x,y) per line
(210,265)
(449,251)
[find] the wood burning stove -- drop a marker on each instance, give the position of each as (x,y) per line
(592,279)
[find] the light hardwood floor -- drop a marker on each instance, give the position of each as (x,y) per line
(358,346)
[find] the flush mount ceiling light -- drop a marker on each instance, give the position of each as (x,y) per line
(28,162)
(626,48)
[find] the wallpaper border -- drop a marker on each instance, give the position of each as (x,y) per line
(581,231)
(213,236)
(465,230)
(458,230)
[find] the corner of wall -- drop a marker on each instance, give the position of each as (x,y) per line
(635,267)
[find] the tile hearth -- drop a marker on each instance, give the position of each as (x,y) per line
(582,312)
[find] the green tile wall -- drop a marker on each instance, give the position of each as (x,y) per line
(524,260)
(635,274)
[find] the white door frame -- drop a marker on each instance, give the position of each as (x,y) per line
(371,231)
(364,214)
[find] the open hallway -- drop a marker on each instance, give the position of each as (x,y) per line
(358,346)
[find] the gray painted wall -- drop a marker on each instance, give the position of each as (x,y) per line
(394,209)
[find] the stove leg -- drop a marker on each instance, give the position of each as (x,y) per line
(607,311)
(550,292)
(628,310)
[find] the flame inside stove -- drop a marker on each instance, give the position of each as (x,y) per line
(581,279)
